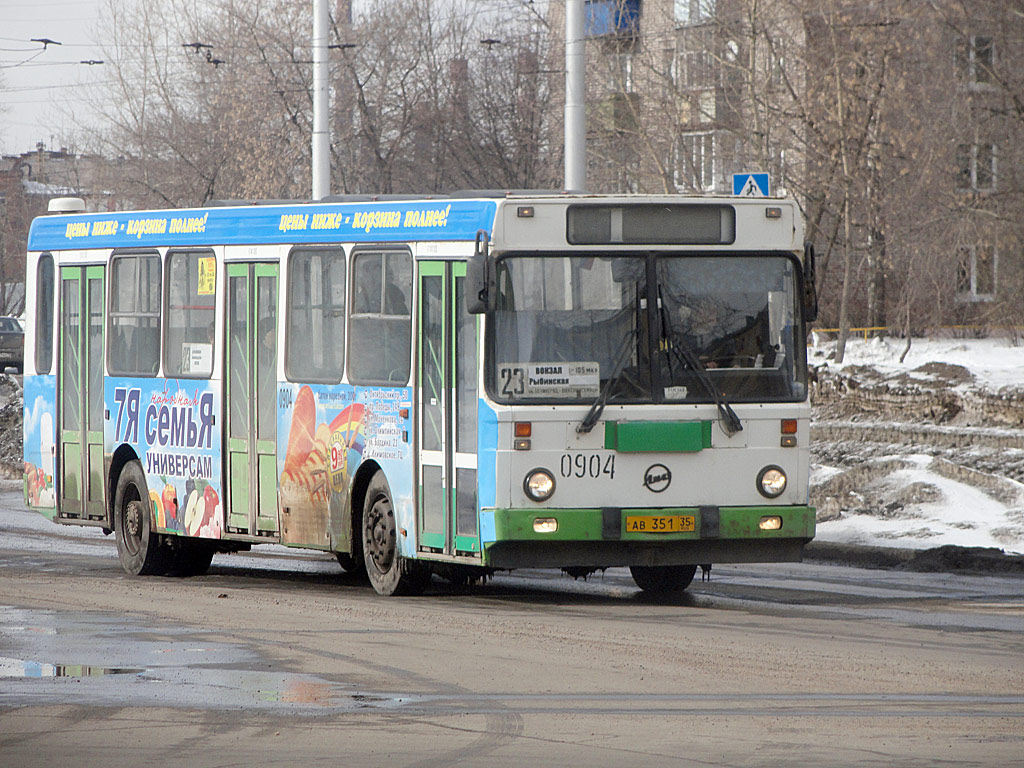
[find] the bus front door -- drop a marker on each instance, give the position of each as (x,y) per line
(251,399)
(447,403)
(80,394)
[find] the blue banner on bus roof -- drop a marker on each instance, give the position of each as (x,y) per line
(308,223)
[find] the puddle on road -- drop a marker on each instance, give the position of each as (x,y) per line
(22,668)
(117,661)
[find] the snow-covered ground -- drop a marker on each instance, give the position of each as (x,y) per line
(924,453)
(995,363)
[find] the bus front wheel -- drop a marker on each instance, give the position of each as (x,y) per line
(138,547)
(663,579)
(389,572)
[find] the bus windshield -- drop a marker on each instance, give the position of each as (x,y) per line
(568,329)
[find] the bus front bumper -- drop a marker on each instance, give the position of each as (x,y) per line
(614,536)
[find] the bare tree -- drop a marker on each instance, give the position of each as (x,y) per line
(16,213)
(504,112)
(432,108)
(209,102)
(898,125)
(214,100)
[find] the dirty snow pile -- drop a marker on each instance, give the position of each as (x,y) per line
(11,454)
(922,453)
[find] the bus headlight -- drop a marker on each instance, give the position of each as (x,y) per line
(771,482)
(539,484)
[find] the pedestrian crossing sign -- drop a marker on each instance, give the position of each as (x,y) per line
(750,184)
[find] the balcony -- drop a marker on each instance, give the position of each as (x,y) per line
(612,18)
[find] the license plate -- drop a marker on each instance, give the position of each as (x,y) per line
(660,524)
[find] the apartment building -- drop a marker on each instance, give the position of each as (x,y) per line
(897,124)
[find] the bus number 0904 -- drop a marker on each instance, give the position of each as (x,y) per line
(588,465)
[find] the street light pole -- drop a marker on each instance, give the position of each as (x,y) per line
(321,104)
(575,111)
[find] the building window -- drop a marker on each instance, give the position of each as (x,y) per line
(696,167)
(690,12)
(975,59)
(624,71)
(976,273)
(777,71)
(976,166)
(699,70)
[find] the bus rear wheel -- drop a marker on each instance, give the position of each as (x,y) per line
(349,562)
(663,579)
(352,562)
(389,572)
(139,549)
(191,557)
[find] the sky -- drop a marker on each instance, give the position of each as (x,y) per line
(38,86)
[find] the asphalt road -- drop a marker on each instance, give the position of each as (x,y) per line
(278,658)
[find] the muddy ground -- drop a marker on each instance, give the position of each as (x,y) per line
(280,659)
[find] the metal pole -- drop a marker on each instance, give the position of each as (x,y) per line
(321,104)
(575,114)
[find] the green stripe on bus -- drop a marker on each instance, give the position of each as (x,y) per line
(573,524)
(657,436)
(735,523)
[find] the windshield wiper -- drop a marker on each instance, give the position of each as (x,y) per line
(626,346)
(686,357)
(730,421)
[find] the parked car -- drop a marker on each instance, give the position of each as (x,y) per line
(12,344)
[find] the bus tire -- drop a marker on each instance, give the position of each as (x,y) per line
(663,579)
(389,572)
(139,549)
(349,562)
(191,557)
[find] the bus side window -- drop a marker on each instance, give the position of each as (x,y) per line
(315,346)
(381,324)
(134,316)
(44,314)
(118,349)
(189,313)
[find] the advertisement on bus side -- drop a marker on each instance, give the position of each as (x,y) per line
(325,433)
(172,426)
(40,436)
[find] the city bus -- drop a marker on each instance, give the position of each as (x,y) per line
(445,386)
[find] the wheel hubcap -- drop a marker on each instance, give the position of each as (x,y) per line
(380,535)
(132,535)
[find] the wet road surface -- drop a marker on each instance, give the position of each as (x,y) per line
(277,657)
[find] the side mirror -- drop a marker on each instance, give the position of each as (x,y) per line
(810,290)
(479,277)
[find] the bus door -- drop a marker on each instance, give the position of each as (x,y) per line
(447,403)
(80,393)
(251,399)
